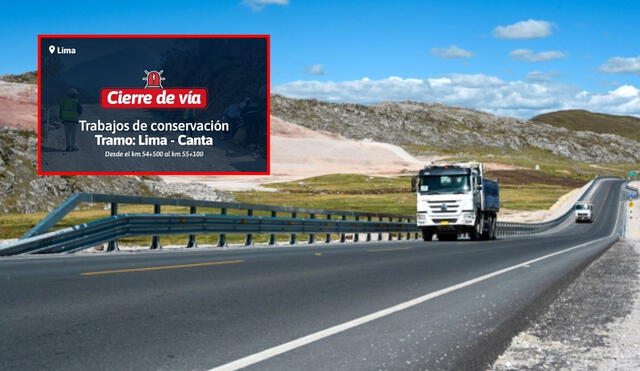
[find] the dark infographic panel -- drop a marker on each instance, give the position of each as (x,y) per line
(153,105)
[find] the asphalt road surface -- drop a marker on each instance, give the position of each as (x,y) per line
(393,305)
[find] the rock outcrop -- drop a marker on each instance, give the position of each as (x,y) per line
(419,127)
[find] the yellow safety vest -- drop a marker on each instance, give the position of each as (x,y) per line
(70,110)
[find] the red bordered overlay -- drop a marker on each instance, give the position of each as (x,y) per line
(268,165)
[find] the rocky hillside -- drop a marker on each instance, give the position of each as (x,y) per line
(22,191)
(423,127)
(625,126)
(30,77)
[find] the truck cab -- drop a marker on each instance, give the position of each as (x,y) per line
(455,199)
(584,211)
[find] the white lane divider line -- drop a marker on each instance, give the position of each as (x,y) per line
(300,342)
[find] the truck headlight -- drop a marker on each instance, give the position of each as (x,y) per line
(422,217)
(468,216)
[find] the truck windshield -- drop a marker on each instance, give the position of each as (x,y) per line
(582,207)
(433,184)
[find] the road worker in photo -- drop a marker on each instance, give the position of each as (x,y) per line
(70,111)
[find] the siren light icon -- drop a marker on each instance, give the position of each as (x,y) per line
(154,79)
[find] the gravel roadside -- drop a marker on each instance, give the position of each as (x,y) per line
(592,325)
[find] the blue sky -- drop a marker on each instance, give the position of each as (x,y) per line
(507,57)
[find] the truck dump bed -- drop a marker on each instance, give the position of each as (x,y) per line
(491,195)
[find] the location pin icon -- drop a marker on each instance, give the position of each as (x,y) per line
(52,49)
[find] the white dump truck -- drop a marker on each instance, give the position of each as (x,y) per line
(584,211)
(454,199)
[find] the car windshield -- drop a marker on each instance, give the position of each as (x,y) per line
(444,184)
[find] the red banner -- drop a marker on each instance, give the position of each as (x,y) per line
(153,98)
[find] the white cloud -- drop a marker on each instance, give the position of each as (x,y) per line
(531,29)
(625,91)
(621,65)
(258,5)
(316,69)
(542,76)
(358,91)
(440,81)
(476,80)
(624,100)
(452,52)
(531,56)
(484,92)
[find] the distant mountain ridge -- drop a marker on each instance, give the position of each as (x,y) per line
(625,126)
(415,125)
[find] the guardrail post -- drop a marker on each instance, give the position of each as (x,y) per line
(222,239)
(272,236)
(380,233)
(293,239)
(399,233)
(312,236)
(249,239)
(356,236)
(343,237)
(192,237)
(327,238)
(408,233)
(368,233)
(113,244)
(155,240)
(390,236)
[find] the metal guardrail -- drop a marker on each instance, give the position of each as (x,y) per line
(118,226)
(127,225)
(114,200)
(318,221)
(631,194)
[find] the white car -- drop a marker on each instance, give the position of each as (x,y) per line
(584,211)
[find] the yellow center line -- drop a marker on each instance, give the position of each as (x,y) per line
(162,267)
(390,249)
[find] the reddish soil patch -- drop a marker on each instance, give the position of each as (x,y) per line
(18,105)
(532,177)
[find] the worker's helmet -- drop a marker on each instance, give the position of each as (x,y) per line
(72,91)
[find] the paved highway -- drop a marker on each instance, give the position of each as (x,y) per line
(398,305)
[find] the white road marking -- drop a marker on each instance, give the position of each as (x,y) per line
(286,347)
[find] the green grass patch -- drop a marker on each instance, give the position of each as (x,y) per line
(397,203)
(530,197)
(345,183)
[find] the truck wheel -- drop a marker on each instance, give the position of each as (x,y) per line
(427,235)
(476,233)
(494,228)
(491,225)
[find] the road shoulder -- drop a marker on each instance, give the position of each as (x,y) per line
(591,325)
